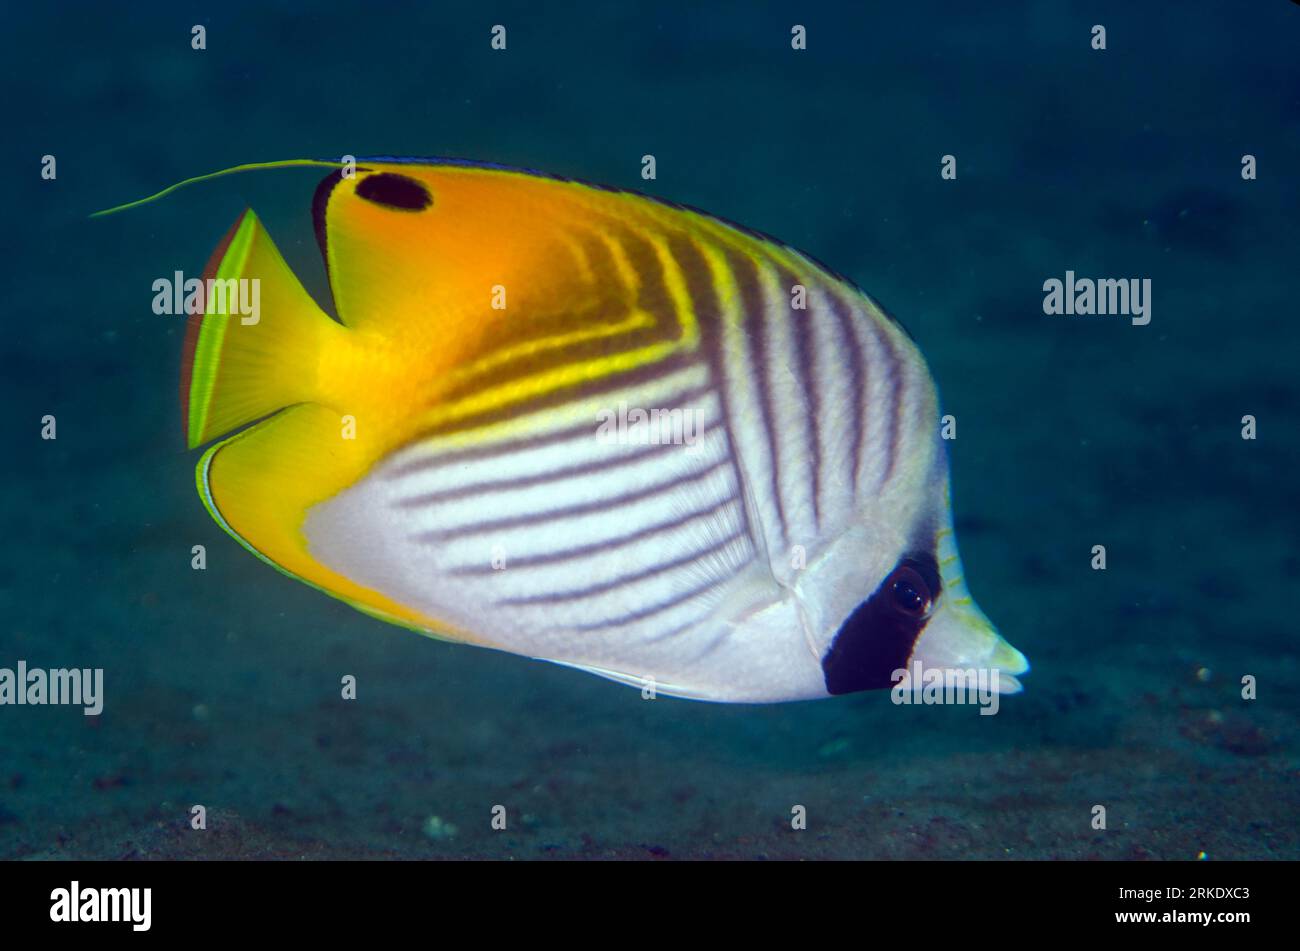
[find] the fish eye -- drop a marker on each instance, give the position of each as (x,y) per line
(909,593)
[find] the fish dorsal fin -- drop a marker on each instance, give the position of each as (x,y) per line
(468,249)
(510,289)
(419,243)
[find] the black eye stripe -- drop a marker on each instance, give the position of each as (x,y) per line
(398,192)
(877,638)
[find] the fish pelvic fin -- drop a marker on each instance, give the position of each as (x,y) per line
(255,338)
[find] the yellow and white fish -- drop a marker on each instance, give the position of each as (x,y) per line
(587,426)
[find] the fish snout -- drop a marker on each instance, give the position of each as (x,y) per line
(958,636)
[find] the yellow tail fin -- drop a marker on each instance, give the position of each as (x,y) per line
(254,344)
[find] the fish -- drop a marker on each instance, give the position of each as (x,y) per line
(589,426)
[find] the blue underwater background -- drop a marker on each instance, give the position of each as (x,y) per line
(222,686)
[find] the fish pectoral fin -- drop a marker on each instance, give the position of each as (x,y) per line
(260,483)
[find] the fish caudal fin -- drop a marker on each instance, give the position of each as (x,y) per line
(254,343)
(288,367)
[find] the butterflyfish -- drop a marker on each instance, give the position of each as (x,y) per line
(588,426)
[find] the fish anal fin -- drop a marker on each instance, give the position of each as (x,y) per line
(259,484)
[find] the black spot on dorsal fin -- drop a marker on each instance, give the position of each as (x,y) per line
(395,191)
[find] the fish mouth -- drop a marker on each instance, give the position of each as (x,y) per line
(960,637)
(1010,665)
